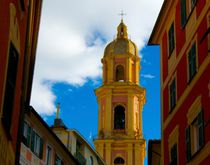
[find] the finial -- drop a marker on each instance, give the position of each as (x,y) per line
(58,111)
(122,14)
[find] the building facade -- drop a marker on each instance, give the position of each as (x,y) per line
(183,32)
(76,143)
(120,100)
(19,20)
(40,146)
(154,152)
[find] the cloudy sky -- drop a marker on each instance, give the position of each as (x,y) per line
(72,38)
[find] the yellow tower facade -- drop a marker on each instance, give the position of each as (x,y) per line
(120,100)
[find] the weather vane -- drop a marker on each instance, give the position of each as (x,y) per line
(122,14)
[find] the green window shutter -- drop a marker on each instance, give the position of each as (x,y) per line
(171,39)
(192,61)
(29,136)
(41,148)
(32,140)
(174,155)
(200,128)
(172,94)
(188,143)
(190,64)
(183,12)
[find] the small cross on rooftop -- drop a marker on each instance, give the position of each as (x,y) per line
(122,14)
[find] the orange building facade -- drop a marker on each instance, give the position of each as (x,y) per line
(39,145)
(183,32)
(19,24)
(120,100)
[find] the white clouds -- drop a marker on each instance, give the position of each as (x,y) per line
(67,27)
(149,76)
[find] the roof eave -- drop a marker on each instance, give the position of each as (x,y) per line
(151,38)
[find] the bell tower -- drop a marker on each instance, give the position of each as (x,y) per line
(120,101)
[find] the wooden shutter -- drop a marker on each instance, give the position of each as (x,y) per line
(32,140)
(171,39)
(188,144)
(29,136)
(41,148)
(200,128)
(183,12)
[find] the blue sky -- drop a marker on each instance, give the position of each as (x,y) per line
(70,47)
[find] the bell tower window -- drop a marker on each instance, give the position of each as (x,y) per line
(119,117)
(119,161)
(120,73)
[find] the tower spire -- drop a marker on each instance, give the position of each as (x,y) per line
(58,111)
(122,28)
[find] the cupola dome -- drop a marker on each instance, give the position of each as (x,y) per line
(121,45)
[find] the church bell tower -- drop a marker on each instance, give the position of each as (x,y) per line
(120,101)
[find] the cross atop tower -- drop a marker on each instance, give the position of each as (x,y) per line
(122,14)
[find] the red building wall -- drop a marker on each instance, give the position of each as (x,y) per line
(186,91)
(15,23)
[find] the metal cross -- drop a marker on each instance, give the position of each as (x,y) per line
(122,14)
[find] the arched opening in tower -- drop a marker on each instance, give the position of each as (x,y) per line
(120,73)
(119,161)
(119,117)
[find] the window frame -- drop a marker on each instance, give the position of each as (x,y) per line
(117,159)
(174,96)
(189,8)
(194,113)
(10,88)
(117,74)
(124,117)
(174,159)
(60,160)
(171,39)
(192,62)
(173,139)
(48,161)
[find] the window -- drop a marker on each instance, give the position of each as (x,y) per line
(91,160)
(79,146)
(25,132)
(119,117)
(186,9)
(120,73)
(9,94)
(32,140)
(173,153)
(192,62)
(172,94)
(171,40)
(36,144)
(192,3)
(48,155)
(183,13)
(58,160)
(119,161)
(195,136)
